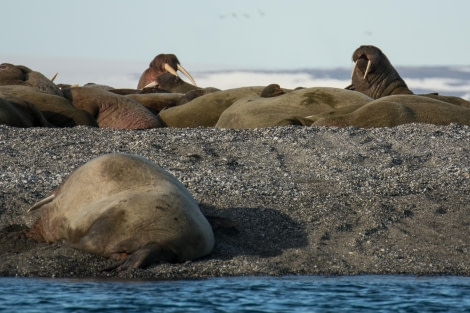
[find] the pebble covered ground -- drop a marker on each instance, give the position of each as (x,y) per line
(305,200)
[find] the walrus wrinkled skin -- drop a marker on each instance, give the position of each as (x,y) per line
(162,63)
(112,110)
(126,208)
(374,75)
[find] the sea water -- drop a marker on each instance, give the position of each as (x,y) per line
(240,294)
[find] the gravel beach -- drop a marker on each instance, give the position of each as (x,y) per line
(305,200)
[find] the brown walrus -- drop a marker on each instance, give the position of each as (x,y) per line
(126,208)
(21,75)
(374,75)
(162,63)
(112,110)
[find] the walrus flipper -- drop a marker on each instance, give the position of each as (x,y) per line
(40,203)
(149,254)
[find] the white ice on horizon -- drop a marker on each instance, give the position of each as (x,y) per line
(125,74)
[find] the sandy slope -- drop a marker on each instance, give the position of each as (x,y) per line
(305,200)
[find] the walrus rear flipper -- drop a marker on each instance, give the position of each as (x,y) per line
(149,254)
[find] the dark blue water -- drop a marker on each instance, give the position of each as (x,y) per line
(256,294)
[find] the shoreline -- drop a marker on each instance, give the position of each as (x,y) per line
(305,200)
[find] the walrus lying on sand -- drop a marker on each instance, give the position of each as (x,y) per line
(126,208)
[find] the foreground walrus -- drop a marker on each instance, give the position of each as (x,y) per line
(374,75)
(126,208)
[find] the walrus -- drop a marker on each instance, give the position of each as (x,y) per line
(272,90)
(162,63)
(112,110)
(21,75)
(125,208)
(20,113)
(374,75)
(289,108)
(397,110)
(58,111)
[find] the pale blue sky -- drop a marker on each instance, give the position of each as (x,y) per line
(249,34)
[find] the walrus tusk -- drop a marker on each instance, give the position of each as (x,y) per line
(152,84)
(169,69)
(367,69)
(53,76)
(40,203)
(354,68)
(180,68)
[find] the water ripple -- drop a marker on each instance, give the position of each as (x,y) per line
(248,294)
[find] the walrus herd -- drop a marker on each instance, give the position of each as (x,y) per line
(163,99)
(125,208)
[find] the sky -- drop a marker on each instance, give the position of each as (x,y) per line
(240,34)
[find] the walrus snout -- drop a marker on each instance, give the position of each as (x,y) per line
(359,64)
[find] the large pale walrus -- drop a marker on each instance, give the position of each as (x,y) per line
(396,110)
(204,111)
(374,75)
(257,112)
(126,208)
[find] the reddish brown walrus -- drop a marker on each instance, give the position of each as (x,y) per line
(162,63)
(126,208)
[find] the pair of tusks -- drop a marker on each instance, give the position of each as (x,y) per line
(172,71)
(367,69)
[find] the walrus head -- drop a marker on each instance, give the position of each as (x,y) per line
(374,75)
(162,63)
